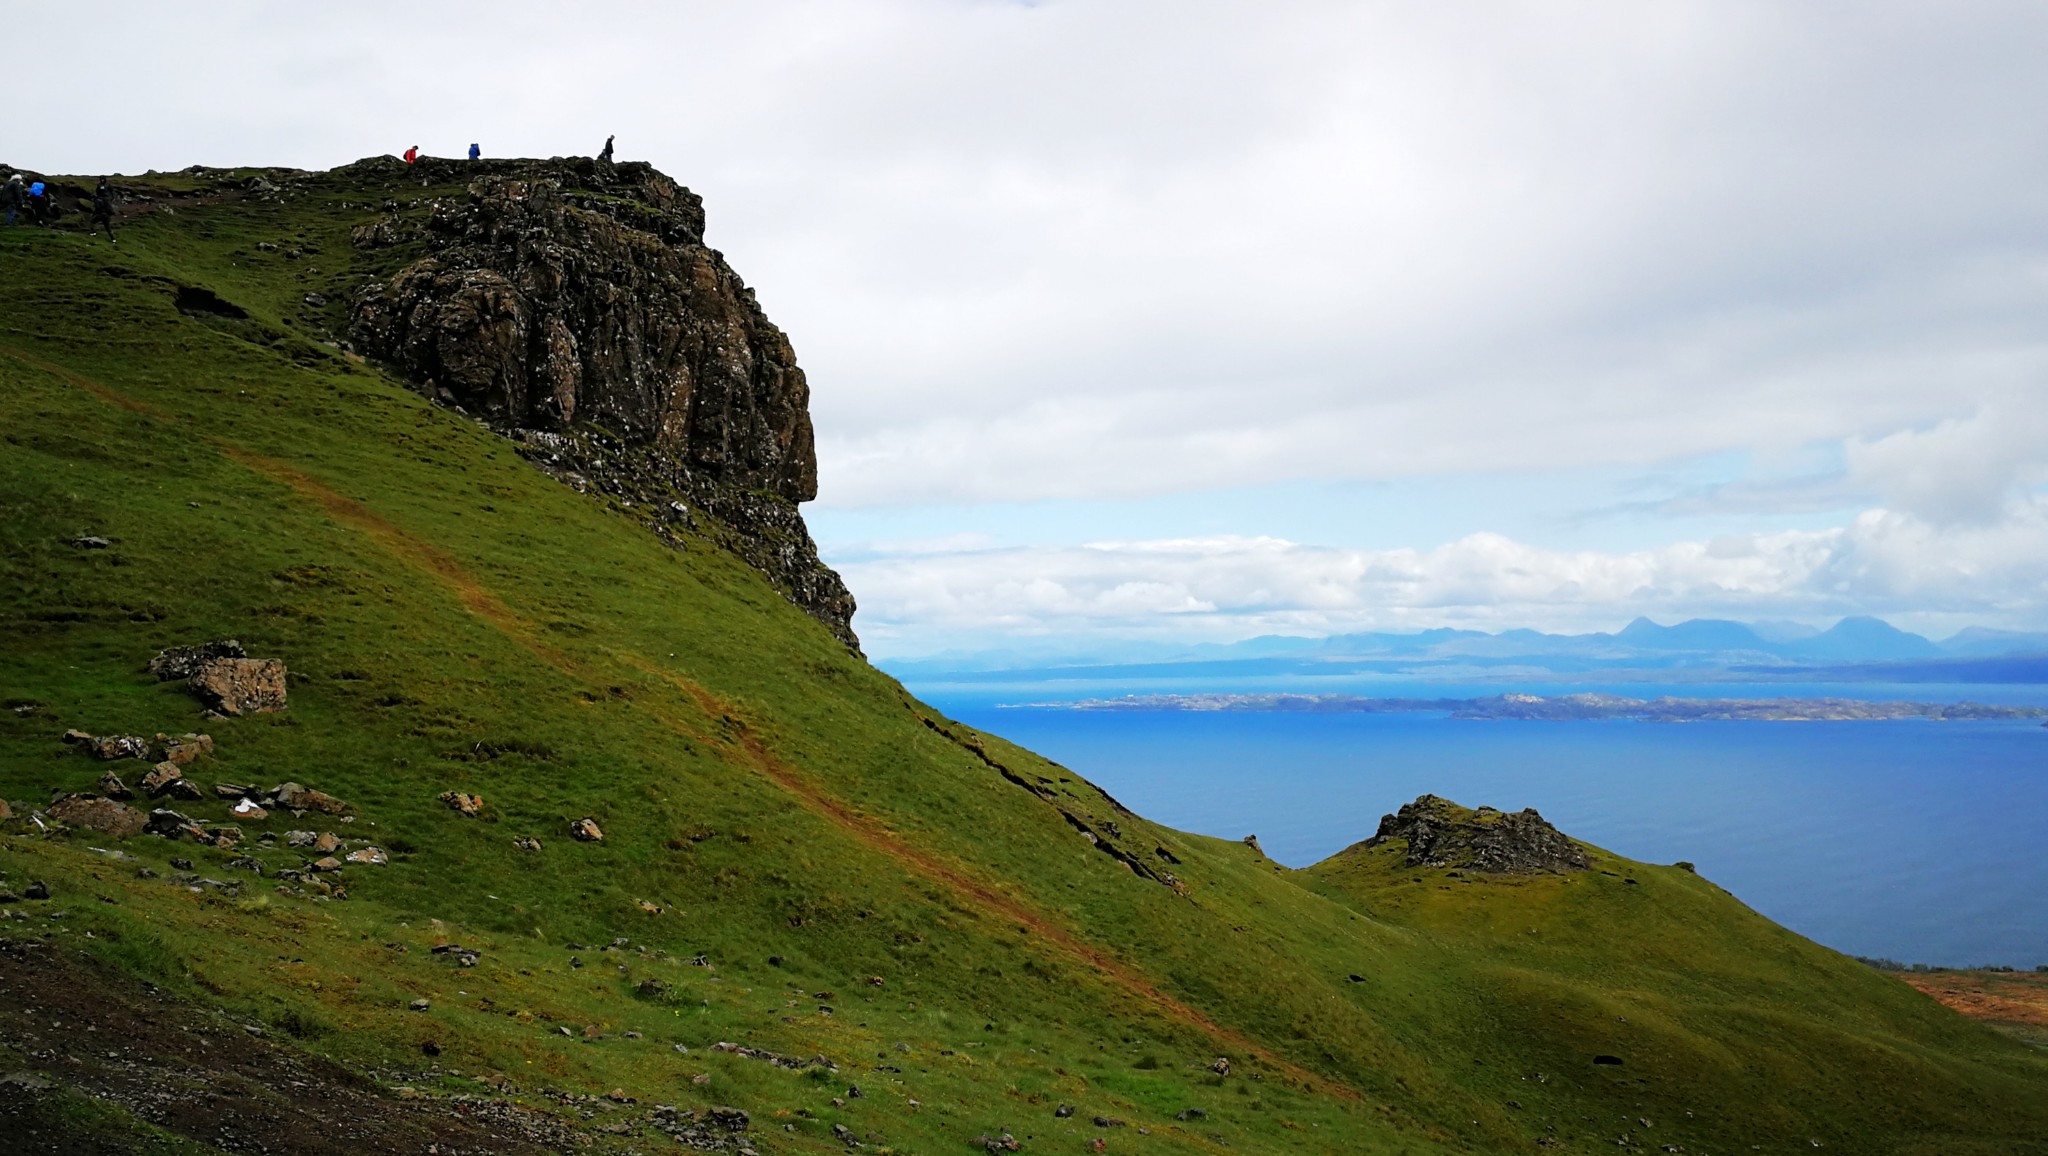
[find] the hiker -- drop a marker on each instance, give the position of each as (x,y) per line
(412,154)
(474,152)
(103,211)
(605,157)
(10,196)
(39,208)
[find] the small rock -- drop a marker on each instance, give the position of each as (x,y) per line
(232,791)
(178,864)
(1221,1067)
(1191,1114)
(419,1005)
(587,831)
(526,843)
(315,300)
(36,890)
(103,815)
(327,844)
(330,863)
(374,856)
(464,803)
(159,779)
(91,542)
(294,797)
(110,746)
(731,1119)
(649,908)
(299,838)
(1110,1122)
(184,749)
(1063,1111)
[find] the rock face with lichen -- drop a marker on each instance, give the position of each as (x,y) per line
(1439,833)
(575,307)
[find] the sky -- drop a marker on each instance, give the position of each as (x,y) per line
(1191,321)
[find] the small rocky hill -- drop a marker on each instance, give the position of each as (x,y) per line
(1439,833)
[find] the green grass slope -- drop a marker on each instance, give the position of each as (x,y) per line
(813,838)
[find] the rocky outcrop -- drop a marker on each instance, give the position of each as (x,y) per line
(578,300)
(1439,833)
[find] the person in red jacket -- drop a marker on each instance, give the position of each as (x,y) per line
(412,154)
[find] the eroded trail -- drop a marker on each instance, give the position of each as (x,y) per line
(746,749)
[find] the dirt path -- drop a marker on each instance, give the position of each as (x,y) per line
(202,1076)
(750,751)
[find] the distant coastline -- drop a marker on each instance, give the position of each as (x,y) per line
(1568,707)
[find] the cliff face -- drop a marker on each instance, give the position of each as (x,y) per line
(575,307)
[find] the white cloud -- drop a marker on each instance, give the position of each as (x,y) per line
(1226,588)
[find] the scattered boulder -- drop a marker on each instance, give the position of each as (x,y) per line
(1439,833)
(294,797)
(157,783)
(91,542)
(232,791)
(327,843)
(183,661)
(247,809)
(464,803)
(113,788)
(465,956)
(330,863)
(239,686)
(299,838)
(1221,1067)
(36,890)
(419,1005)
(587,831)
(1191,1114)
(374,856)
(526,843)
(184,749)
(96,814)
(1063,1111)
(730,1119)
(110,746)
(6,812)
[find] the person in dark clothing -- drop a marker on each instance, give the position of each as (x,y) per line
(40,208)
(474,151)
(103,211)
(11,195)
(606,156)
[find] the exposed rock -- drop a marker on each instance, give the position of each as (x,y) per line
(113,788)
(183,661)
(96,814)
(172,825)
(1221,1067)
(419,1005)
(247,809)
(232,791)
(36,890)
(238,686)
(91,542)
(299,838)
(184,749)
(587,831)
(294,797)
(465,803)
(158,782)
(526,843)
(110,746)
(460,954)
(1063,1111)
(1440,833)
(330,863)
(326,844)
(568,298)
(6,812)
(374,856)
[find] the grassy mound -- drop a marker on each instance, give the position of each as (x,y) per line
(797,858)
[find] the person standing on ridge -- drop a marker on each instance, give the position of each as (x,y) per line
(10,196)
(474,151)
(103,211)
(39,206)
(605,157)
(412,154)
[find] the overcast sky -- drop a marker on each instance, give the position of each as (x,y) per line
(1198,320)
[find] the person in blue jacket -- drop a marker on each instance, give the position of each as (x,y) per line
(474,151)
(40,208)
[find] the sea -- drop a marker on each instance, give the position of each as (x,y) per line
(1915,841)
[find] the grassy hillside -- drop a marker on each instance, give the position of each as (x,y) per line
(785,831)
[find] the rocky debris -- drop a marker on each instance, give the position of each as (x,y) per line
(767,1057)
(526,843)
(239,686)
(184,661)
(96,814)
(1221,1067)
(299,838)
(565,300)
(1002,1143)
(463,803)
(166,779)
(720,1129)
(1439,833)
(586,831)
(460,954)
(110,746)
(372,856)
(91,542)
(1110,1122)
(113,788)
(184,749)
(294,797)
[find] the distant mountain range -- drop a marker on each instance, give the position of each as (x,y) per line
(1865,648)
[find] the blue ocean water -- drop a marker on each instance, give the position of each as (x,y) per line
(1919,841)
